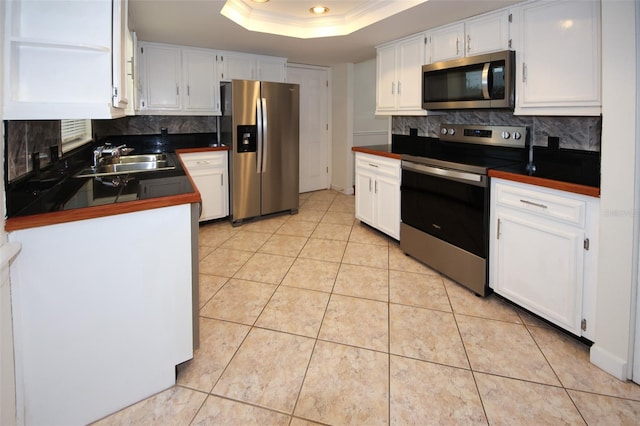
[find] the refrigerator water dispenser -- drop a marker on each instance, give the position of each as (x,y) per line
(247,138)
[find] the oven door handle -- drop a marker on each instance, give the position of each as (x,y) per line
(472,178)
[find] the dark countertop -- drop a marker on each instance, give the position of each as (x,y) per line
(54,195)
(569,170)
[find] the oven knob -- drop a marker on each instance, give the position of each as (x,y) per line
(506,135)
(517,135)
(443,131)
(452,131)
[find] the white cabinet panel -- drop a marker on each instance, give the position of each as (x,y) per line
(378,192)
(558,61)
(178,81)
(399,77)
(487,33)
(447,43)
(64,59)
(162,77)
(202,88)
(543,252)
(209,172)
(245,66)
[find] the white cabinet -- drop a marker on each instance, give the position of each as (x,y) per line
(558,62)
(178,81)
(482,34)
(446,43)
(64,59)
(209,172)
(160,79)
(244,66)
(94,337)
(399,77)
(487,33)
(378,192)
(543,251)
(202,88)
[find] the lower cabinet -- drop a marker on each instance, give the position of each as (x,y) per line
(378,192)
(209,172)
(543,245)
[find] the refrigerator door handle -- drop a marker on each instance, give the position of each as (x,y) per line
(259,135)
(265,140)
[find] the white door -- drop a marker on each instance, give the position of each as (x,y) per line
(314,125)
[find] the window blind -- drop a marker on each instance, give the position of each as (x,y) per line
(74,133)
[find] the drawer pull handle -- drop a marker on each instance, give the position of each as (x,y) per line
(531,203)
(373,165)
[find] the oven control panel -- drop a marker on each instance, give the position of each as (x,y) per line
(511,136)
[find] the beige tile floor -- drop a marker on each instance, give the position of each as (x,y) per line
(316,318)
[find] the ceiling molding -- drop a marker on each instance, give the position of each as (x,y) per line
(293,19)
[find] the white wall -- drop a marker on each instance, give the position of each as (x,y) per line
(618,220)
(342,127)
(7,375)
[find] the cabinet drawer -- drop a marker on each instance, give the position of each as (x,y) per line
(379,165)
(548,205)
(204,160)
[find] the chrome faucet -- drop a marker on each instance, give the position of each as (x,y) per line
(107,149)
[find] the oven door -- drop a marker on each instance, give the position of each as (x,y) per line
(447,204)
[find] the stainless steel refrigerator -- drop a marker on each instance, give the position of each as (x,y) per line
(260,123)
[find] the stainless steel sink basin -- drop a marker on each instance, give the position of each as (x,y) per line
(129,164)
(138,158)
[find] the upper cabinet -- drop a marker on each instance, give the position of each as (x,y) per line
(178,81)
(244,66)
(64,59)
(398,73)
(446,43)
(482,34)
(558,58)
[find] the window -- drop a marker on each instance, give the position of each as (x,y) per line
(74,133)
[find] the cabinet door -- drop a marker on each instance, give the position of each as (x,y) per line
(119,55)
(161,77)
(410,58)
(447,43)
(539,265)
(211,184)
(365,196)
(200,80)
(238,67)
(487,33)
(559,58)
(386,78)
(272,69)
(387,206)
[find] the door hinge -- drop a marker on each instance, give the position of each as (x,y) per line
(510,43)
(327,169)
(141,49)
(327,83)
(498,230)
(327,126)
(583,324)
(511,17)
(586,244)
(115,91)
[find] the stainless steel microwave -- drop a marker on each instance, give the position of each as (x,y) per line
(483,81)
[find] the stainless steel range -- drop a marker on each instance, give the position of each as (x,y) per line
(445,198)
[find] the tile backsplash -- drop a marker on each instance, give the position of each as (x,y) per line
(151,124)
(574,132)
(24,139)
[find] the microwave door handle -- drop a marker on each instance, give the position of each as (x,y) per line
(485,80)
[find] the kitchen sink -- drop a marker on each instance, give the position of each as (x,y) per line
(109,166)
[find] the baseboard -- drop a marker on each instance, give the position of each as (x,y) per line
(349,191)
(608,362)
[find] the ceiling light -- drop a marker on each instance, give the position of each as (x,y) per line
(259,1)
(319,10)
